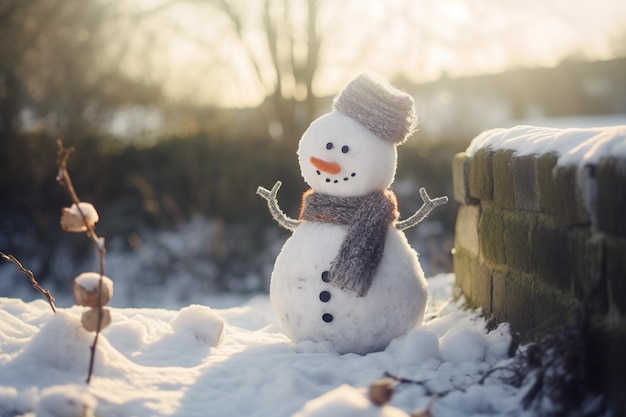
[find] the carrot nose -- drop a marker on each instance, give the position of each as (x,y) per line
(325,166)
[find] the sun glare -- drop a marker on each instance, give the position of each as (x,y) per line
(205,57)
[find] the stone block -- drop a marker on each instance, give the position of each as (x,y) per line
(460,179)
(616,272)
(549,254)
(482,288)
(512,300)
(525,185)
(481,175)
(464,266)
(610,205)
(466,229)
(569,206)
(554,310)
(517,240)
(491,234)
(503,190)
(545,168)
(586,256)
(607,367)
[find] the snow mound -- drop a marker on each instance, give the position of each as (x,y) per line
(66,401)
(201,323)
(347,401)
(236,362)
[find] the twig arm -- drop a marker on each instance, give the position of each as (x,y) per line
(423,212)
(272,203)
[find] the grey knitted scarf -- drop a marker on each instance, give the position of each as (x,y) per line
(368,218)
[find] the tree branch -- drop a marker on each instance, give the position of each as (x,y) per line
(63,178)
(33,281)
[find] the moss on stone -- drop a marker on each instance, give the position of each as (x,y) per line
(481,175)
(517,249)
(549,254)
(512,300)
(491,234)
(554,310)
(503,190)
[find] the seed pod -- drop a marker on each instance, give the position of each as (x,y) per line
(90,319)
(86,287)
(381,390)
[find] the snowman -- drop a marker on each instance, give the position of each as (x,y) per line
(347,275)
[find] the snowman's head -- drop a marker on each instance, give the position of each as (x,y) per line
(339,156)
(351,151)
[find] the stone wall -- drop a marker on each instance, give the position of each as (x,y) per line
(532,250)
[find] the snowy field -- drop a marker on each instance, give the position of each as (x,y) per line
(199,361)
(227,356)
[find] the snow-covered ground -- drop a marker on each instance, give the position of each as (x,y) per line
(235,361)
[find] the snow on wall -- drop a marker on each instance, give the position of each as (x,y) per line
(540,236)
(577,147)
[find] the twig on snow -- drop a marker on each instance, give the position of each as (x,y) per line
(33,281)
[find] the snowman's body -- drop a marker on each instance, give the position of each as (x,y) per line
(311,309)
(376,290)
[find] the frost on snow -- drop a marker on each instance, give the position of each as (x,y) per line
(237,362)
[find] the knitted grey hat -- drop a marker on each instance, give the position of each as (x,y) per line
(380,107)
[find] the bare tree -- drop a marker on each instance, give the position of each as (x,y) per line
(60,60)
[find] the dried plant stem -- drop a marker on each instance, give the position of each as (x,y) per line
(63,178)
(33,281)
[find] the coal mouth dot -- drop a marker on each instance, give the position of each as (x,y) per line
(336,181)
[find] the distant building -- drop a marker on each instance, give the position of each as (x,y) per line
(455,108)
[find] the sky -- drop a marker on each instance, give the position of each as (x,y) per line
(201,58)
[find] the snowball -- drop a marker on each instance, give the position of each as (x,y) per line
(203,323)
(66,401)
(347,401)
(416,347)
(72,220)
(463,345)
(86,289)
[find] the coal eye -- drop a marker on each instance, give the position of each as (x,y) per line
(345,149)
(329,145)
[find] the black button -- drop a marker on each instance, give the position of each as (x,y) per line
(324,296)
(327,317)
(325,276)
